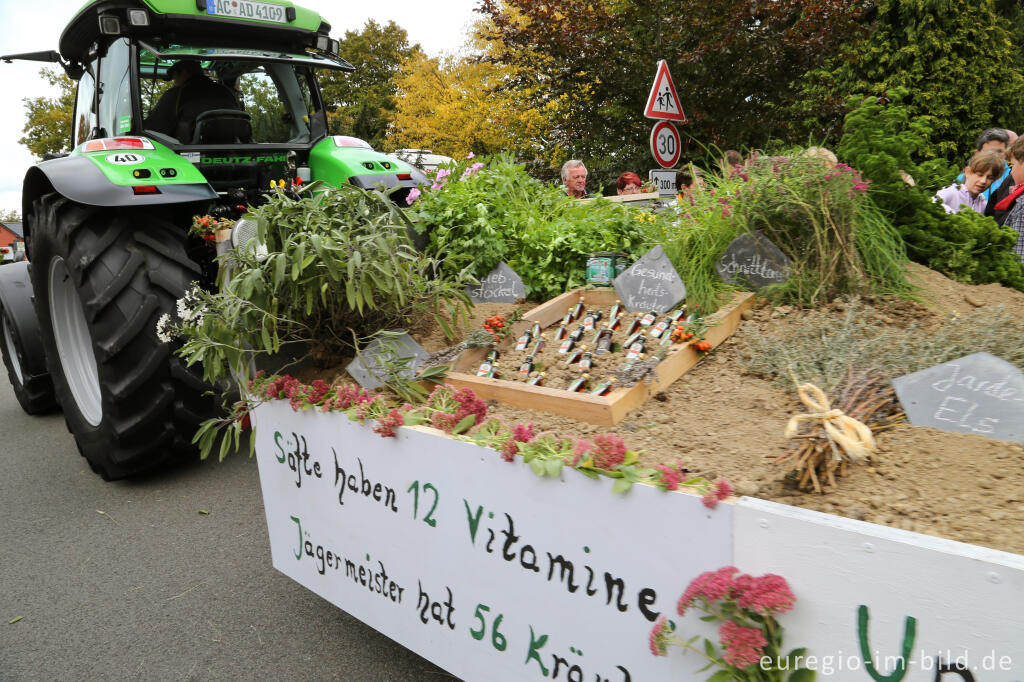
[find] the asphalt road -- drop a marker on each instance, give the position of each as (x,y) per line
(166,578)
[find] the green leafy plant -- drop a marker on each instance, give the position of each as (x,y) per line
(749,646)
(336,266)
(479,213)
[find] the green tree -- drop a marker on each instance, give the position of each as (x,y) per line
(733,63)
(11,216)
(362,103)
(954,57)
(48,128)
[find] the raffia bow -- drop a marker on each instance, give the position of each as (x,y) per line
(844,433)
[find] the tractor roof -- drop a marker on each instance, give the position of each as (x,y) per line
(195,22)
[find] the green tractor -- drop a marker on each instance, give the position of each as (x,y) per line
(107,226)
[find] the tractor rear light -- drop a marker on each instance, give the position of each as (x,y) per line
(138,17)
(116,143)
(348,141)
(146,189)
(141,173)
(405,176)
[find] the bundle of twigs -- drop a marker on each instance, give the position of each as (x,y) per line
(818,460)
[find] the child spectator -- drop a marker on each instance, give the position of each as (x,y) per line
(996,140)
(1004,198)
(983,169)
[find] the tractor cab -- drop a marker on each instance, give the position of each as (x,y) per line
(248,111)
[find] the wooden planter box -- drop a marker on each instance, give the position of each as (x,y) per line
(603,410)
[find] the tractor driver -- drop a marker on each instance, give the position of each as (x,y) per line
(192,94)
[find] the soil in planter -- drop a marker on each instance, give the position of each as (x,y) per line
(719,421)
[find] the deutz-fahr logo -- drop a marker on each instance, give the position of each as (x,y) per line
(214,160)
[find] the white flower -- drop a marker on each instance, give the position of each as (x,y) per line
(162,332)
(188,308)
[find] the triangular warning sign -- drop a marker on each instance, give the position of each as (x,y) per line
(663,102)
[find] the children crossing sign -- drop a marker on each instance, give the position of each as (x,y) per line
(663,102)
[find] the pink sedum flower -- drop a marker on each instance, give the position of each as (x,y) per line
(766,595)
(659,637)
(723,489)
(609,451)
(709,586)
(709,500)
(669,478)
(743,645)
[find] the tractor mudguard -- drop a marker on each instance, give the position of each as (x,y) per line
(118,178)
(16,300)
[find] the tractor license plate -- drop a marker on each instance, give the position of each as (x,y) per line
(246,9)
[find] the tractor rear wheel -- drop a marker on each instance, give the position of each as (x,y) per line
(102,277)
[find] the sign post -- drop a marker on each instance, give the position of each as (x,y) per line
(663,105)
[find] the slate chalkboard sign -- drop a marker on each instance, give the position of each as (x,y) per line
(650,284)
(367,368)
(753,259)
(501,285)
(979,393)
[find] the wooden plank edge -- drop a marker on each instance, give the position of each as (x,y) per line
(592,409)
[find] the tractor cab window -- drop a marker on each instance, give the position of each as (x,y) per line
(85,108)
(271,101)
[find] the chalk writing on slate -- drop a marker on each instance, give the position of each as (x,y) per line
(650,284)
(979,393)
(368,370)
(501,285)
(753,259)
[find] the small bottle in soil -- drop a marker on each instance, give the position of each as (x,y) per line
(668,338)
(567,320)
(485,369)
(660,328)
(567,345)
(527,366)
(536,379)
(591,319)
(615,322)
(493,354)
(524,340)
(577,334)
(604,341)
(493,373)
(535,330)
(586,362)
(560,334)
(636,348)
(616,309)
(576,355)
(577,309)
(604,387)
(636,336)
(633,326)
(677,313)
(579,384)
(538,347)
(648,319)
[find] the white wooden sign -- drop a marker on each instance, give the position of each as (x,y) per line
(495,574)
(476,564)
(941,606)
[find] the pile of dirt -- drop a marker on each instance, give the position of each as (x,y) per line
(719,421)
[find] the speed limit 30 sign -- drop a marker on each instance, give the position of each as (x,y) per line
(665,144)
